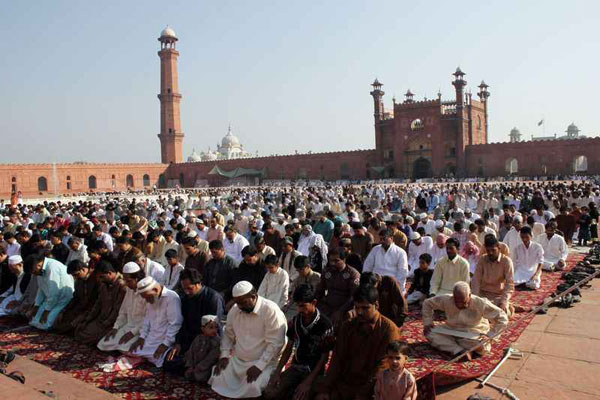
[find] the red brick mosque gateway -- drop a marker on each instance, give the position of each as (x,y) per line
(413,139)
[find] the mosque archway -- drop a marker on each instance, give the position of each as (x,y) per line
(92,182)
(42,184)
(421,168)
(512,166)
(162,181)
(580,164)
(146,180)
(129,181)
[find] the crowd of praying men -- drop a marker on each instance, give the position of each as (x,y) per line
(289,292)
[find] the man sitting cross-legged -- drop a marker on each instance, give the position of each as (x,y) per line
(467,321)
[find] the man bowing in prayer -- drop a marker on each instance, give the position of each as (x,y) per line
(251,346)
(161,323)
(55,290)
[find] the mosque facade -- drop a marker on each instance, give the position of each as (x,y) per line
(414,139)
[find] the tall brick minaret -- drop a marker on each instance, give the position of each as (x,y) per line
(170,135)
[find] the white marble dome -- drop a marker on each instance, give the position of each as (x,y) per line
(194,157)
(168,32)
(230,140)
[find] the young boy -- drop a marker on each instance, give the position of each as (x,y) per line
(276,283)
(395,382)
(204,351)
(419,290)
(172,269)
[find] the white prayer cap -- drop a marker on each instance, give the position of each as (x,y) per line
(146,284)
(16,259)
(518,218)
(130,268)
(439,223)
(415,236)
(295,221)
(208,318)
(280,216)
(192,234)
(241,288)
(423,215)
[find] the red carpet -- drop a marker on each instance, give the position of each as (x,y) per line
(424,358)
(65,355)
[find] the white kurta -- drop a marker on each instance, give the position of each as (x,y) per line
(130,319)
(512,240)
(171,277)
(79,254)
(155,270)
(275,287)
(555,248)
(526,264)
(415,251)
(437,253)
(161,323)
(250,339)
(304,244)
(11,294)
(392,262)
(234,248)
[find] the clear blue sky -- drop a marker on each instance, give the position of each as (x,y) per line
(80,78)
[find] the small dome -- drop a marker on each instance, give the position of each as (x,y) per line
(209,156)
(194,157)
(515,131)
(230,140)
(168,33)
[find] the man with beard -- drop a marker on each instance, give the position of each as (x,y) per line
(197,301)
(338,282)
(387,259)
(360,346)
(99,321)
(161,323)
(129,322)
(251,346)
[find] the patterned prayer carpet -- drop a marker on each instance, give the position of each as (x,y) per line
(424,359)
(65,355)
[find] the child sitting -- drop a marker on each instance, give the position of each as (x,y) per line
(203,354)
(395,382)
(419,290)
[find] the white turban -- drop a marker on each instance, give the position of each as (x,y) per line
(208,318)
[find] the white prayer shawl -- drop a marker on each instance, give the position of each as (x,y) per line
(161,324)
(130,319)
(415,251)
(512,240)
(234,248)
(318,241)
(275,287)
(250,339)
(555,248)
(392,262)
(12,294)
(527,261)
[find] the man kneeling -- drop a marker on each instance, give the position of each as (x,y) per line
(251,346)
(161,323)
(467,321)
